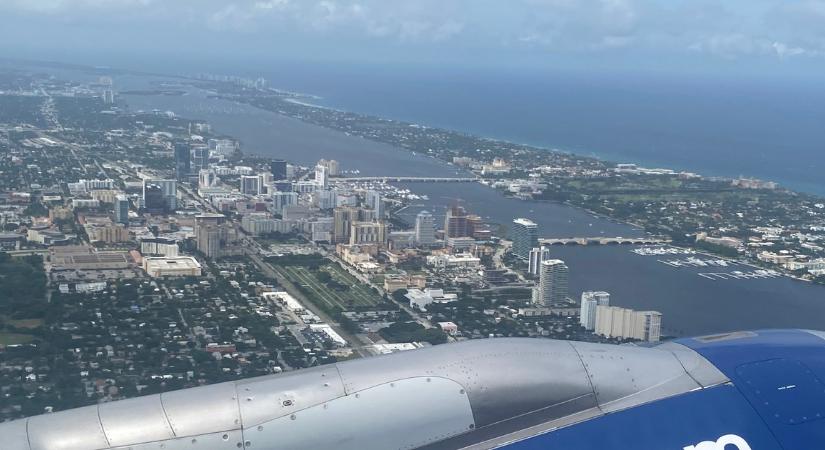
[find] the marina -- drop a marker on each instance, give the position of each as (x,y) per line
(739,275)
(660,250)
(695,262)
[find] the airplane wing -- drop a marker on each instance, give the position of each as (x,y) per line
(740,391)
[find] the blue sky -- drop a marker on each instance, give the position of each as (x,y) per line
(748,35)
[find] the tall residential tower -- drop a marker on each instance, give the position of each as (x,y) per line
(525,235)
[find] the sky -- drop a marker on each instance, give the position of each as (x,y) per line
(772,36)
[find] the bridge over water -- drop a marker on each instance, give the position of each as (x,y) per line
(603,241)
(393,179)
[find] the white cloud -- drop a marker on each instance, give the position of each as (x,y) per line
(767,28)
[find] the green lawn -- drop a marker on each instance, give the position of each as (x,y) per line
(15,339)
(358,295)
(25,323)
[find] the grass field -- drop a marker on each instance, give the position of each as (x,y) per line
(25,323)
(14,338)
(357,294)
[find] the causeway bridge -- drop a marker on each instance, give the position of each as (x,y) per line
(392,179)
(604,241)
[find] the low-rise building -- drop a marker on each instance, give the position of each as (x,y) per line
(179,266)
(448,261)
(449,327)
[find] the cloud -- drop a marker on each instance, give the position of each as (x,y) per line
(63,6)
(779,29)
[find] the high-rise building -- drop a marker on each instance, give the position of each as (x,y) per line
(160,195)
(183,161)
(553,282)
(153,199)
(251,184)
(278,169)
(281,200)
(367,215)
(373,201)
(321,176)
(622,323)
(122,209)
(282,186)
(537,255)
(211,234)
(455,223)
(108,97)
(476,227)
(367,233)
(651,326)
(332,167)
(326,199)
(225,147)
(207,178)
(590,301)
(525,235)
(343,217)
(424,228)
(200,158)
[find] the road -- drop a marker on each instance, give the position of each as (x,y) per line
(354,342)
(364,279)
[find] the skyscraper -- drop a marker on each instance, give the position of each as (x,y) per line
(368,233)
(525,235)
(183,161)
(200,158)
(281,200)
(122,209)
(424,228)
(455,223)
(170,192)
(108,97)
(553,282)
(537,255)
(278,169)
(251,184)
(160,195)
(590,301)
(207,178)
(332,167)
(153,199)
(321,176)
(374,201)
(342,220)
(211,234)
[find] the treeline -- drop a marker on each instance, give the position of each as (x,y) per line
(22,287)
(412,332)
(313,261)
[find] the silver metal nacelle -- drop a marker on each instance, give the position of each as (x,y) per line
(475,394)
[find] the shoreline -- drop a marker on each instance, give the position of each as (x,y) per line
(583,154)
(445,163)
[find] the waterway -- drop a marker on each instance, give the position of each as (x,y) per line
(691,304)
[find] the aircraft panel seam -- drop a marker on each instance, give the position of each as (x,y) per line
(587,375)
(102,428)
(28,438)
(166,416)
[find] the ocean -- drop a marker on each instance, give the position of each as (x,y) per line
(751,127)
